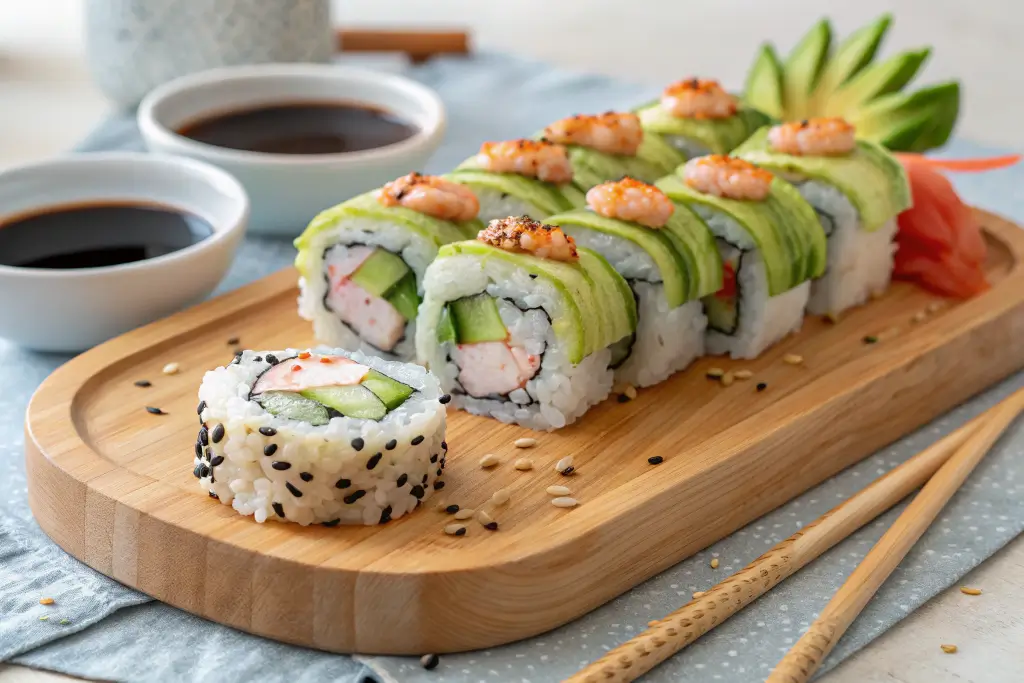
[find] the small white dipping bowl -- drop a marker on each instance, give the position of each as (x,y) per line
(71,310)
(288,190)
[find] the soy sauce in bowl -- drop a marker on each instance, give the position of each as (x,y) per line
(301,128)
(96,235)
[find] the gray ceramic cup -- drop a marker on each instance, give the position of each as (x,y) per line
(135,45)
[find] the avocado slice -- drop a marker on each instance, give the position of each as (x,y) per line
(854,54)
(874,81)
(548,198)
(446,328)
(803,66)
(719,136)
(404,297)
(390,391)
(609,287)
(764,83)
(476,319)
(380,272)
(292,406)
(353,400)
(916,121)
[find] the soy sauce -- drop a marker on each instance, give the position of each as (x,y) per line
(95,235)
(301,128)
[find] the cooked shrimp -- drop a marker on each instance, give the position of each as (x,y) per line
(431,195)
(631,200)
(725,176)
(522,233)
(535,158)
(611,132)
(831,136)
(697,98)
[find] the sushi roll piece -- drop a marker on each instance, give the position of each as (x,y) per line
(520,178)
(668,257)
(857,189)
(698,117)
(361,262)
(518,324)
(771,245)
(611,146)
(320,436)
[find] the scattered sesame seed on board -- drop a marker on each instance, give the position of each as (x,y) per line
(563,464)
(465,513)
(920,316)
(970,591)
(655,460)
(742,374)
(523,464)
(714,563)
(564,502)
(154,411)
(761,386)
(451,509)
(143,383)
(622,398)
(233,341)
(698,594)
(171,369)
(792,359)
(558,491)
(870,339)
(727,379)
(936,306)
(630,391)
(45,601)
(484,517)
(714,373)
(455,529)
(489,460)
(500,497)
(526,442)
(948,649)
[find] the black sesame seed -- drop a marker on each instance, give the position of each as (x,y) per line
(424,480)
(429,662)
(270,449)
(439,471)
(332,413)
(445,398)
(214,496)
(357,444)
(268,431)
(417,440)
(281,466)
(272,359)
(354,496)
(154,411)
(433,458)
(372,462)
(306,476)
(452,509)
(217,434)
(417,491)
(199,449)
(402,479)
(279,509)
(622,398)
(204,436)
(143,383)
(333,522)
(201,407)
(257,359)
(233,341)
(343,484)
(655,459)
(761,386)
(444,445)
(567,471)
(491,526)
(870,339)
(238,354)
(532,276)
(390,445)
(461,531)
(204,471)
(291,489)
(217,460)
(195,472)
(438,485)
(385,515)
(208,454)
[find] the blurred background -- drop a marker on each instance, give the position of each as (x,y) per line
(48,102)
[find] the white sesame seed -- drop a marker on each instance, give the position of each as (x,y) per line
(483,517)
(171,369)
(489,460)
(564,502)
(454,529)
(563,464)
(523,464)
(630,392)
(935,306)
(714,561)
(920,316)
(500,497)
(442,507)
(465,513)
(698,594)
(793,359)
(727,379)
(743,374)
(715,372)
(558,491)
(526,442)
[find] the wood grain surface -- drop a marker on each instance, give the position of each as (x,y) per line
(113,485)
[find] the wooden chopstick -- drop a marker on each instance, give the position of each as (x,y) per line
(668,636)
(418,45)
(806,655)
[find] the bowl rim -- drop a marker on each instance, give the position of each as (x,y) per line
(223,231)
(155,131)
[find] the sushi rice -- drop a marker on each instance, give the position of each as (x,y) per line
(342,472)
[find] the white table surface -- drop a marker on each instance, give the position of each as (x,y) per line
(47,103)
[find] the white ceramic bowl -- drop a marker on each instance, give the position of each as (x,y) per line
(288,190)
(72,310)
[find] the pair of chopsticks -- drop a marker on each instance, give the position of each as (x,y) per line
(941,468)
(417,45)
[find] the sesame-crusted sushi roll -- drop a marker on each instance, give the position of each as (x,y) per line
(857,189)
(771,245)
(668,257)
(361,262)
(611,146)
(320,436)
(519,324)
(520,178)
(698,117)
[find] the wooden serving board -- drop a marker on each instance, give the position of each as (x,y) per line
(113,485)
